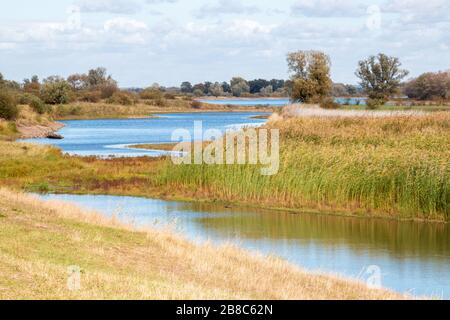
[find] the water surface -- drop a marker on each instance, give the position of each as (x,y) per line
(413,257)
(282,102)
(248,102)
(107,137)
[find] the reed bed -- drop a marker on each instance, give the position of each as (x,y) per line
(396,166)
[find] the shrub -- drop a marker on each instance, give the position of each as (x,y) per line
(196,104)
(25,98)
(90,96)
(37,105)
(373,103)
(161,102)
(8,106)
(122,97)
(329,103)
(57,92)
(107,90)
(151,94)
(169,96)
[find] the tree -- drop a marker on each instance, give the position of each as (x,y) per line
(257,84)
(380,77)
(216,89)
(186,87)
(339,90)
(199,87)
(8,105)
(429,86)
(267,91)
(55,90)
(78,81)
(32,85)
(239,86)
(226,87)
(310,75)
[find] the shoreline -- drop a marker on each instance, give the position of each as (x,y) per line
(122,242)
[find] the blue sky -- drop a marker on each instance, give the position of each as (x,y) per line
(169,41)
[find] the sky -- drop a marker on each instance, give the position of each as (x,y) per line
(142,42)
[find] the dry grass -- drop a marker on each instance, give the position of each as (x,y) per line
(84,110)
(38,241)
(394,166)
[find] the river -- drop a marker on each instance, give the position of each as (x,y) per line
(409,256)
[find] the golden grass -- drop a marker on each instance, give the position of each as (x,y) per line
(84,110)
(393,166)
(39,241)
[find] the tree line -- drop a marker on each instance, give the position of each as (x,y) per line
(380,79)
(237,87)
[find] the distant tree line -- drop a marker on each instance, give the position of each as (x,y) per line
(237,87)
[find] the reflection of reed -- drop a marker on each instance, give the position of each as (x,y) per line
(397,237)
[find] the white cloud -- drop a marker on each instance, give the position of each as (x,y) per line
(247,27)
(419,11)
(126,25)
(328,8)
(223,7)
(109,6)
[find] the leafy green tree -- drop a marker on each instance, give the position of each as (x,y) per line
(56,90)
(32,86)
(8,105)
(429,86)
(226,87)
(239,86)
(257,85)
(37,104)
(186,87)
(310,75)
(267,91)
(216,89)
(380,77)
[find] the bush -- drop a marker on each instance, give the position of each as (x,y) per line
(107,90)
(196,104)
(8,106)
(373,103)
(58,92)
(25,98)
(90,96)
(151,94)
(169,96)
(37,105)
(122,97)
(329,103)
(160,102)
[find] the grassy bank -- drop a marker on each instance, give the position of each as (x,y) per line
(39,241)
(83,110)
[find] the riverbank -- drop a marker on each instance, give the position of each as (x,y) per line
(28,125)
(39,242)
(91,111)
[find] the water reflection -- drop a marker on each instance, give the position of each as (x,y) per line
(411,255)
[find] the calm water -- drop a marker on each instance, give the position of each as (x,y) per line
(249,102)
(276,102)
(412,256)
(111,137)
